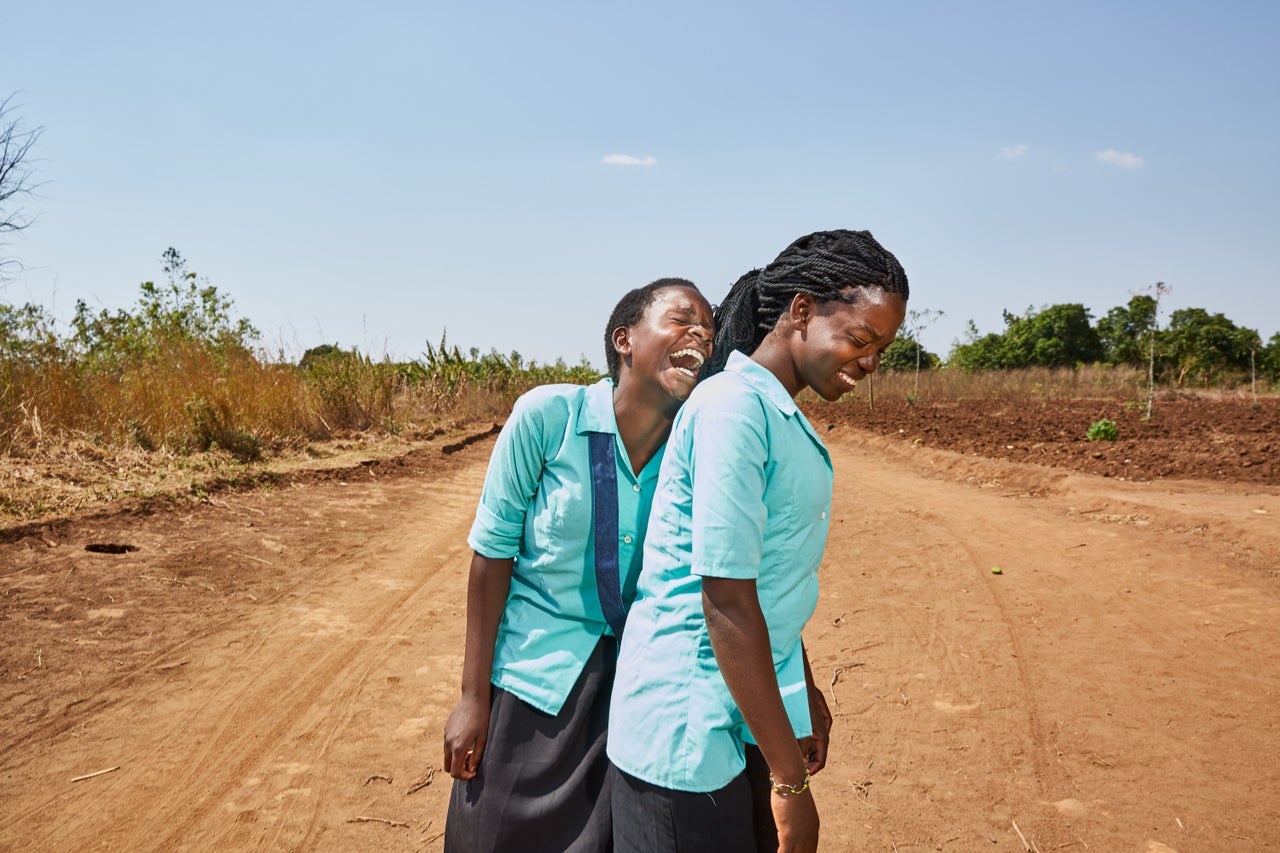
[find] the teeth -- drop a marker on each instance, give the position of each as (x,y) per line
(847,379)
(690,352)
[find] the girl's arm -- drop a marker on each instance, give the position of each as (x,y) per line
(515,470)
(468,726)
(740,639)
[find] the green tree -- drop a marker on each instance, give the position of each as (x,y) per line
(903,352)
(321,355)
(185,309)
(28,335)
(1123,332)
(1206,346)
(1058,336)
(978,352)
(1269,359)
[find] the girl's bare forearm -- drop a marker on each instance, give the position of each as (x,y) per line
(488,584)
(740,639)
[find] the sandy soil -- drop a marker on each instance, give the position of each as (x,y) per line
(271,669)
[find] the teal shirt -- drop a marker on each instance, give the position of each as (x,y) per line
(744,492)
(536,508)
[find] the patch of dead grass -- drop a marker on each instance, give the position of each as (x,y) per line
(64,477)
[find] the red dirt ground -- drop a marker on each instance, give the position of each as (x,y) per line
(271,668)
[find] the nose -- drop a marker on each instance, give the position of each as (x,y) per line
(869,363)
(702,333)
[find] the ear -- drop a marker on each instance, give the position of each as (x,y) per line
(802,309)
(621,338)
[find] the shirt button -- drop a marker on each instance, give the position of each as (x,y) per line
(824,513)
(636,487)
(626,539)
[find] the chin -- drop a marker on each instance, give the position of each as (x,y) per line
(834,394)
(679,392)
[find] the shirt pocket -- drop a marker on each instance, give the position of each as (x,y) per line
(557,531)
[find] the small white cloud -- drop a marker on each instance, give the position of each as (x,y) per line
(1123,159)
(628,160)
(1013,152)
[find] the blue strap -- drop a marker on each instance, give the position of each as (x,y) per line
(604,502)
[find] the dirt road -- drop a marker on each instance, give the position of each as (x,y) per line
(272,671)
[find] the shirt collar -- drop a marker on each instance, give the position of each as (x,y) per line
(761,379)
(595,413)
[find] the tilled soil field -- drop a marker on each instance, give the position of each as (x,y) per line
(1228,440)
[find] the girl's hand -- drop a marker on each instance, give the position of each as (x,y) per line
(465,734)
(815,747)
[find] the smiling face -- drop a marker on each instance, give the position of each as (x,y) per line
(836,344)
(669,344)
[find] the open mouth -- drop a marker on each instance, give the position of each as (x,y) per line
(687,361)
(848,380)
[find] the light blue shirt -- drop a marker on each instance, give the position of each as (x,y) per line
(744,492)
(536,507)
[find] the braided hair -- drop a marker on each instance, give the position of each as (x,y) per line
(630,310)
(824,265)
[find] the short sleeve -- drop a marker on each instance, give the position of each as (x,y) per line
(529,437)
(730,448)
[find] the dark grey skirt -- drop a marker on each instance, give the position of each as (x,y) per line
(738,818)
(543,782)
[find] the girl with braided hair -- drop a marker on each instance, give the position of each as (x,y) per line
(713,693)
(557,541)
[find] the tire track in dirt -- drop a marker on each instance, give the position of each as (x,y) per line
(332,677)
(112,691)
(941,659)
(1074,693)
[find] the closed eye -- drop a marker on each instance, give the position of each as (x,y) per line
(687,320)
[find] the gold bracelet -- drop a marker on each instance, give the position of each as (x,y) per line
(789,790)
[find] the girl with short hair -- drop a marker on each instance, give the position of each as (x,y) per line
(548,585)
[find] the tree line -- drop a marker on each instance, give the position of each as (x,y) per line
(1195,347)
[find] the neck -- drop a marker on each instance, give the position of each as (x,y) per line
(644,420)
(774,356)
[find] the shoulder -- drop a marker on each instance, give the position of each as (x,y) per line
(549,403)
(725,393)
(541,417)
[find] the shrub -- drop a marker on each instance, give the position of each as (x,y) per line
(1103,430)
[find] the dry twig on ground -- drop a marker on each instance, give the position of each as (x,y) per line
(97,773)
(423,782)
(399,823)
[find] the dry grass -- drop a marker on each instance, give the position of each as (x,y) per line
(76,432)
(191,397)
(1094,381)
(191,415)
(73,475)
(1036,382)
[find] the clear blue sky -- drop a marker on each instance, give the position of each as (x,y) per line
(370,174)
